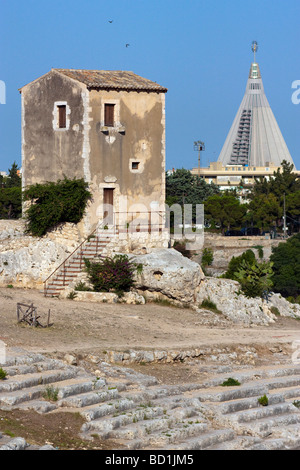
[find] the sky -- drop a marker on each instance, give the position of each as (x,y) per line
(199,49)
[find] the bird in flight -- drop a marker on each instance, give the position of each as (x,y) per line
(110,21)
(127,45)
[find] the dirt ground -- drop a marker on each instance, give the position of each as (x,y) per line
(83,328)
(95,327)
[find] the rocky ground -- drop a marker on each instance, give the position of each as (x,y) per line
(158,371)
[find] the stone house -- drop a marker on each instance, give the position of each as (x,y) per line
(107,127)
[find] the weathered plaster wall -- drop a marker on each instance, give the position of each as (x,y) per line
(138,136)
(49,153)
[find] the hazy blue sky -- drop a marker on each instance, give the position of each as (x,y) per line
(199,49)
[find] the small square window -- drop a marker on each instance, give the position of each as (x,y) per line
(135,165)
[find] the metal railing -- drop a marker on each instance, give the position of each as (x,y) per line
(63,264)
(122,222)
(134,222)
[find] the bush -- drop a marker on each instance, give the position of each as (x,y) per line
(230,383)
(264,401)
(112,274)
(81,286)
(286,267)
(10,203)
(207,257)
(3,374)
(236,262)
(255,278)
(54,203)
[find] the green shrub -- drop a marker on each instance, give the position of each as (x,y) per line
(235,263)
(51,393)
(54,203)
(255,278)
(81,286)
(112,274)
(207,257)
(72,295)
(264,401)
(230,383)
(3,374)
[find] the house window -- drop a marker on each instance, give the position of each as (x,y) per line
(109,114)
(135,165)
(62,116)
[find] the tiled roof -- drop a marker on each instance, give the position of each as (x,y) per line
(112,80)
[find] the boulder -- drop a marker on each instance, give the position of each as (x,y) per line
(169,273)
(229,300)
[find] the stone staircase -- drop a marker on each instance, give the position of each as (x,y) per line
(138,412)
(74,263)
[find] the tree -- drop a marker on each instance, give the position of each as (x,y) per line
(184,188)
(10,203)
(286,267)
(11,194)
(224,209)
(14,179)
(263,211)
(293,210)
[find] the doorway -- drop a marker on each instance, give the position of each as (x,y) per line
(108,206)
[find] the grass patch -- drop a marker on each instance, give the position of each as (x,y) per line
(51,393)
(275,311)
(209,305)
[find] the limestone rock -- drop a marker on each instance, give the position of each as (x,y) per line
(235,306)
(170,273)
(285,308)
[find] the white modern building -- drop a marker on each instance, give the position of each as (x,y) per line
(254,138)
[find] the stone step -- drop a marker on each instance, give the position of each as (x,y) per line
(39,378)
(235,406)
(265,427)
(275,444)
(19,443)
(158,433)
(104,427)
(261,412)
(205,441)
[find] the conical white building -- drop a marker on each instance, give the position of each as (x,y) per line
(254,138)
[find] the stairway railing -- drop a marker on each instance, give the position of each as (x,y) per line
(117,227)
(63,264)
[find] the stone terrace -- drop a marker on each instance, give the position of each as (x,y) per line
(138,412)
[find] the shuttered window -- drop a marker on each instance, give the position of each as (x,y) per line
(109,111)
(62,116)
